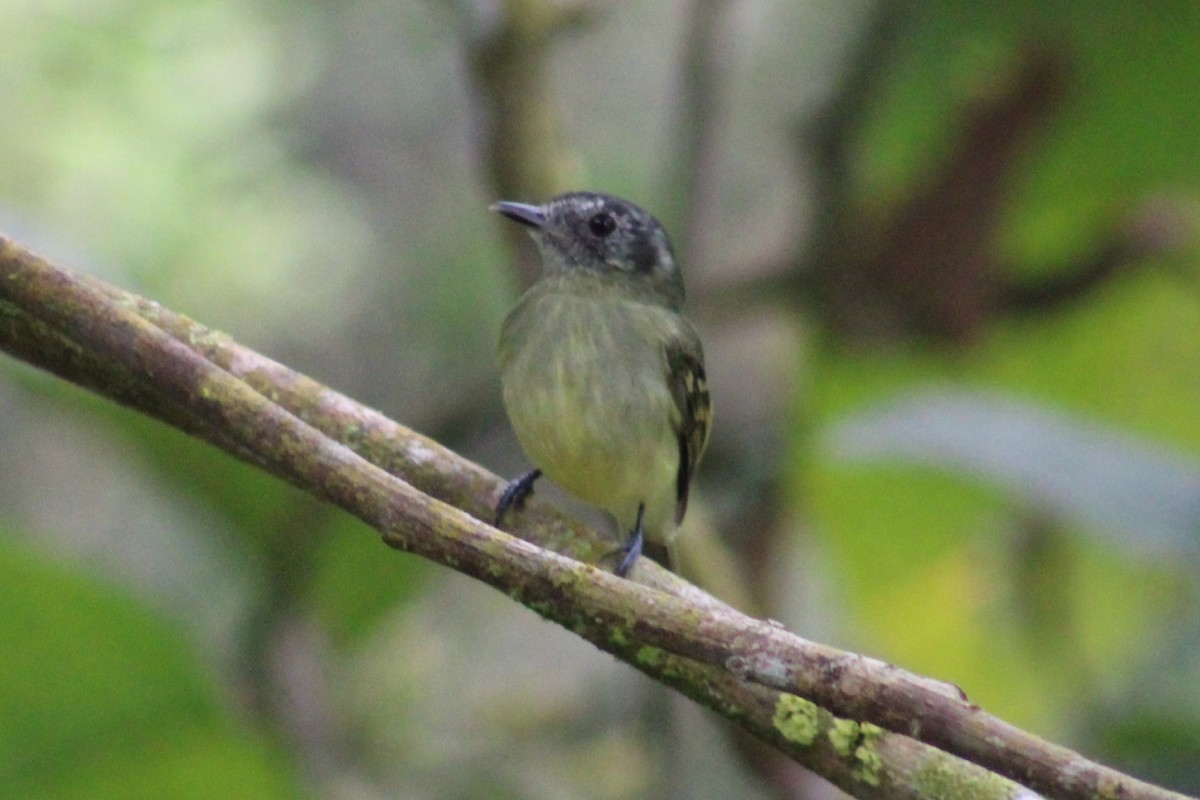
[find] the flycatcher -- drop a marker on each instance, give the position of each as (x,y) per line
(603,378)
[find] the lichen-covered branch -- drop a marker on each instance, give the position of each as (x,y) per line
(425,500)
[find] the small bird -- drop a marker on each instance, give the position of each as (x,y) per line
(603,378)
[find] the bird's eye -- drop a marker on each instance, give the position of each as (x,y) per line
(602,224)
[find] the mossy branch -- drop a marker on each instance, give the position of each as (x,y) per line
(424,499)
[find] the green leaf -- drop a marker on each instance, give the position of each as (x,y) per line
(1133,494)
(101,697)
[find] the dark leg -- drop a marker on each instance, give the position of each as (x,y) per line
(515,493)
(632,548)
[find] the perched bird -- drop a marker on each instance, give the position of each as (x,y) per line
(603,378)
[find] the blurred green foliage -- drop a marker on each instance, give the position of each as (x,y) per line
(934,574)
(102,697)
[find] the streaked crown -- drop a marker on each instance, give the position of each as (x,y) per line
(593,231)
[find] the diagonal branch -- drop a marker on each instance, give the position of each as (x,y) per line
(749,670)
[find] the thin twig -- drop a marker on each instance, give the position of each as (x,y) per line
(510,63)
(693,126)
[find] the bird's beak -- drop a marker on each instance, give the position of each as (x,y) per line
(533,216)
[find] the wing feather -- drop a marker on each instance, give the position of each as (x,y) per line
(689,388)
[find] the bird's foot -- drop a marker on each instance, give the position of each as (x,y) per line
(633,548)
(515,492)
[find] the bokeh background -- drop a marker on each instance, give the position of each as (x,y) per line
(944,259)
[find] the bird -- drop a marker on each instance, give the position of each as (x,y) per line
(602,376)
